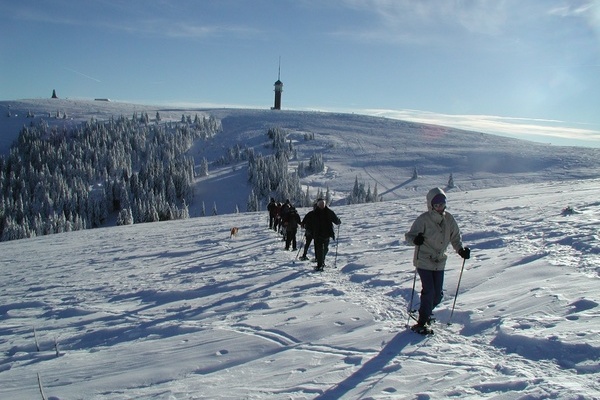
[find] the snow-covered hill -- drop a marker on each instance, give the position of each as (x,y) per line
(377,151)
(178,310)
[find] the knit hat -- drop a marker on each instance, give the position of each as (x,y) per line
(438,199)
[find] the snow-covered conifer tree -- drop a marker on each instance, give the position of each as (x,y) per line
(307,201)
(203,170)
(450,182)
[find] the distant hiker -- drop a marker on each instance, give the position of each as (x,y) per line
(285,209)
(277,222)
(272,209)
(322,230)
(291,228)
(306,221)
(431,233)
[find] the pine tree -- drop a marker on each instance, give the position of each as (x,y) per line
(307,201)
(125,217)
(203,170)
(185,211)
(450,182)
(253,203)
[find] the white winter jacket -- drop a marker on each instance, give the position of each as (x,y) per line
(439,230)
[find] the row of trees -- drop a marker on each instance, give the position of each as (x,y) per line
(57,180)
(359,195)
(271,176)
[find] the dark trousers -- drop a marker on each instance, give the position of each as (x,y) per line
(321,250)
(309,239)
(290,238)
(432,291)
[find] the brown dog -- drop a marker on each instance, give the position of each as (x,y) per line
(234,232)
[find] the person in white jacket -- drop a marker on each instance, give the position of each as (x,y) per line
(431,233)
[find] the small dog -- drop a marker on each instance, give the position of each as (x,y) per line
(234,232)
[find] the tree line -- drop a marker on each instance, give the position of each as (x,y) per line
(57,179)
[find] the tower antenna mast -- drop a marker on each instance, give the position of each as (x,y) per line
(279,70)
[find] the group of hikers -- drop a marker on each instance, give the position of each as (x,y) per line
(431,233)
(317,225)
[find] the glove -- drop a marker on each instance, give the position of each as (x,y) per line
(465,253)
(419,240)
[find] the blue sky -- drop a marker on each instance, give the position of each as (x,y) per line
(524,67)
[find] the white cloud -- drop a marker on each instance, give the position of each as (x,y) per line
(424,21)
(511,126)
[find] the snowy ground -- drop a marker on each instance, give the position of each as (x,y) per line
(178,310)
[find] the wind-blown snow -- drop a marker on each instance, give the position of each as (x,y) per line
(178,310)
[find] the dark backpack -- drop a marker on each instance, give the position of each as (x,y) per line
(292,220)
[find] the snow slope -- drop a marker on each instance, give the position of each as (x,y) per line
(178,310)
(377,151)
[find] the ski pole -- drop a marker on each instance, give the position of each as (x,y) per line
(412,293)
(457,287)
(337,238)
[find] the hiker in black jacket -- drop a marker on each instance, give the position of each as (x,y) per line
(291,228)
(272,209)
(307,232)
(320,224)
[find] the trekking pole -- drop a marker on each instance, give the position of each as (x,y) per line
(457,287)
(337,239)
(412,294)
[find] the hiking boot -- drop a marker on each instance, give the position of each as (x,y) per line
(422,329)
(303,258)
